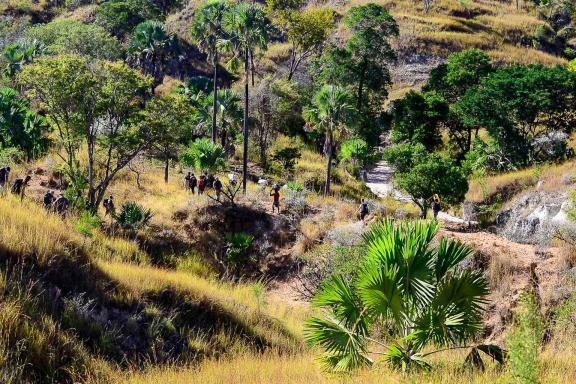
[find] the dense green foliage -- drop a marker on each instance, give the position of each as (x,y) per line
(422,174)
(362,65)
(204,155)
(119,17)
(417,117)
(21,127)
(520,105)
(73,37)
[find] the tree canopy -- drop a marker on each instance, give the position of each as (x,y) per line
(422,174)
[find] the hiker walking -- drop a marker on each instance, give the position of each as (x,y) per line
(61,205)
(193,183)
(201,184)
(19,186)
(109,206)
(434,201)
(275,192)
(217,188)
(209,180)
(4,176)
(187,180)
(48,200)
(363,209)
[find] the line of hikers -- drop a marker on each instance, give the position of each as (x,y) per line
(204,181)
(433,201)
(52,203)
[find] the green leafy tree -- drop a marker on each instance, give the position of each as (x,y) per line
(150,48)
(422,174)
(74,37)
(362,64)
(521,105)
(463,70)
(356,151)
(208,33)
(416,118)
(117,136)
(331,113)
(202,154)
(307,31)
(94,104)
(169,118)
(66,88)
(414,291)
(20,127)
(250,30)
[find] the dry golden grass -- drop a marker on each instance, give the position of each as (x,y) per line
(270,368)
(510,54)
(163,199)
(239,300)
(548,177)
(27,229)
(483,187)
(455,25)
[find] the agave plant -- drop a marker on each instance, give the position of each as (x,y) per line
(132,217)
(417,292)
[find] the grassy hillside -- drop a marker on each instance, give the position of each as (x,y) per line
(69,313)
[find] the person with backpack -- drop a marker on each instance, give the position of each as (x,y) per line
(193,183)
(435,205)
(363,210)
(109,206)
(201,184)
(19,186)
(48,200)
(218,188)
(275,192)
(4,176)
(61,205)
(187,181)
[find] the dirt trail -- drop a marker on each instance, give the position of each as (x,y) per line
(380,180)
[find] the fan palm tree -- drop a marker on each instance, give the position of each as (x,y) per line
(332,110)
(249,29)
(229,112)
(149,47)
(208,32)
(417,292)
(203,154)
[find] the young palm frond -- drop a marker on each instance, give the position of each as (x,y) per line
(415,290)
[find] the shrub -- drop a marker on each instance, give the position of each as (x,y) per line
(132,217)
(237,245)
(524,341)
(87,223)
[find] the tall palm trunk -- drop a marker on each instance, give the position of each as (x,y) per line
(329,160)
(245,122)
(215,101)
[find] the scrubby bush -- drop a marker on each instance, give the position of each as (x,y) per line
(524,341)
(236,254)
(133,217)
